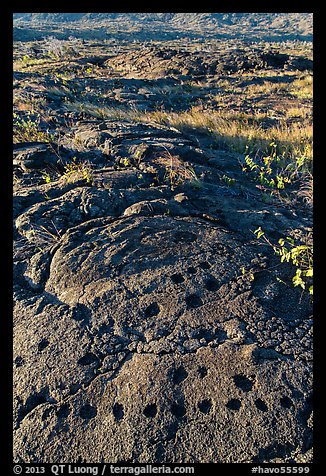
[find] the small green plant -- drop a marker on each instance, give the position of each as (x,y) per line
(26,59)
(269,170)
(125,162)
(27,129)
(249,273)
(300,255)
(46,176)
(228,180)
(77,170)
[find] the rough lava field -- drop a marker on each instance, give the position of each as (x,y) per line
(150,323)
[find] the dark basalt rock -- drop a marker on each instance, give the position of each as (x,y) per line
(29,156)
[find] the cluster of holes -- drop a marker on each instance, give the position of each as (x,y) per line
(246,384)
(177,408)
(211,284)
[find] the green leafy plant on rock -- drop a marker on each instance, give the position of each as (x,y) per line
(77,170)
(46,176)
(27,129)
(228,180)
(300,255)
(271,170)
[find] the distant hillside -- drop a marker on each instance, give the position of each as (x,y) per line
(251,25)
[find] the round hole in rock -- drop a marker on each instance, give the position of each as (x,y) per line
(205,406)
(193,301)
(87,412)
(204,265)
(19,361)
(159,452)
(118,412)
(211,285)
(150,410)
(191,270)
(88,359)
(243,382)
(202,371)
(171,430)
(261,405)
(179,375)
(234,404)
(177,278)
(42,345)
(286,402)
(184,237)
(63,411)
(152,310)
(178,410)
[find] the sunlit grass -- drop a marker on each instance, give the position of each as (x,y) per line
(267,87)
(235,131)
(302,88)
(102,112)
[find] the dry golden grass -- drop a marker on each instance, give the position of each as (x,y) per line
(236,131)
(100,112)
(298,112)
(267,88)
(302,88)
